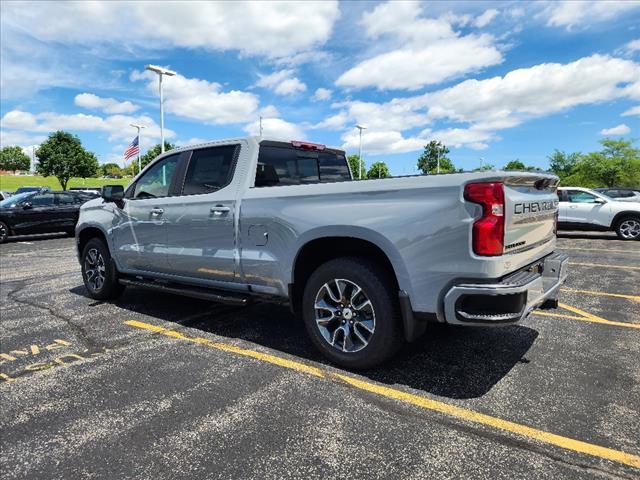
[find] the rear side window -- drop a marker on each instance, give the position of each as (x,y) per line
(66,199)
(210,169)
(290,166)
(578,196)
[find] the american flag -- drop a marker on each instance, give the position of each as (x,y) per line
(132,150)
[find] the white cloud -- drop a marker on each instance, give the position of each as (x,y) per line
(272,29)
(282,82)
(20,138)
(621,129)
(632,111)
(583,13)
(427,51)
(486,18)
(322,94)
(202,100)
(487,106)
(116,126)
(107,105)
(630,48)
(379,142)
(276,128)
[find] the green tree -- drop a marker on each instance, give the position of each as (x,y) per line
(354,165)
(616,165)
(63,156)
(13,158)
(378,170)
(484,168)
(428,161)
(112,170)
(562,164)
(152,153)
(515,165)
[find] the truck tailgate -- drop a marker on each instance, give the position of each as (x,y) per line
(531,206)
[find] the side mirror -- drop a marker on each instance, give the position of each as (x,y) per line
(113,193)
(600,200)
(27,206)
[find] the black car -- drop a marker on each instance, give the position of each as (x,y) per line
(40,212)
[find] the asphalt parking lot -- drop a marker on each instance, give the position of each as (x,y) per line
(157,386)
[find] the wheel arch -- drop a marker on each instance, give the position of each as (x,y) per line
(86,234)
(623,214)
(318,249)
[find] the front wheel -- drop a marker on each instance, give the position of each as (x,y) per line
(99,275)
(351,313)
(628,228)
(4,232)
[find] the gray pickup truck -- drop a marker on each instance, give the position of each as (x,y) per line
(365,264)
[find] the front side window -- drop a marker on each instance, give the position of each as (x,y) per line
(156,181)
(42,200)
(210,169)
(577,196)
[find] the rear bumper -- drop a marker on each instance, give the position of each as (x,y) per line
(511,299)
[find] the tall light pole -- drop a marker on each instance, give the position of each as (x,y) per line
(438,159)
(139,127)
(161,72)
(481,162)
(360,127)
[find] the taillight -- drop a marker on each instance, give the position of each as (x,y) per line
(488,230)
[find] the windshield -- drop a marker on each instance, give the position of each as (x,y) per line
(16,199)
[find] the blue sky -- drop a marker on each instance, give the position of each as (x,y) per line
(497,80)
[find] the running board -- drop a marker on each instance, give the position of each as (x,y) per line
(189,291)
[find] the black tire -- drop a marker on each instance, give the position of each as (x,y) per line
(376,286)
(4,232)
(96,258)
(628,227)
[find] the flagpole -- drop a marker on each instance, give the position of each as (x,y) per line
(139,127)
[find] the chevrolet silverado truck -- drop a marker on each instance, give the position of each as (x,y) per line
(364,264)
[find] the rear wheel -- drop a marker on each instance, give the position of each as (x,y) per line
(4,232)
(628,228)
(98,272)
(351,313)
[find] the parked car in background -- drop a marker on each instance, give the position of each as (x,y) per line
(621,194)
(31,189)
(585,209)
(365,264)
(40,212)
(92,190)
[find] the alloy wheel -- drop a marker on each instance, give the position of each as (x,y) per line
(3,232)
(344,315)
(630,228)
(94,268)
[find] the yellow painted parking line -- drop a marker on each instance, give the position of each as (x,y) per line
(283,362)
(635,298)
(601,250)
(585,317)
(603,265)
(488,420)
(416,400)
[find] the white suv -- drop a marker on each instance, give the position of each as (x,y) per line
(584,209)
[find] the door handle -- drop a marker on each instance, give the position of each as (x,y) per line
(156,212)
(219,210)
(573,206)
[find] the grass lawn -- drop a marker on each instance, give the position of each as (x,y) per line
(9,183)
